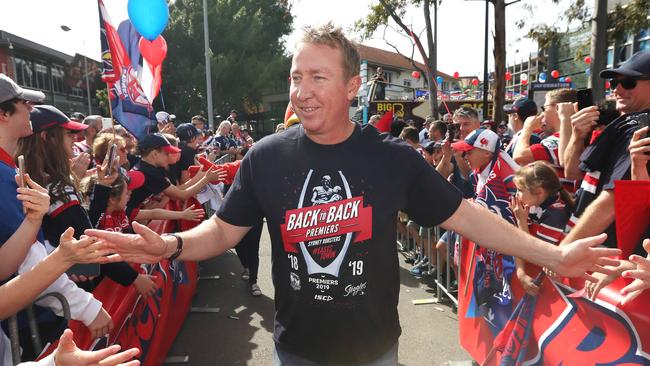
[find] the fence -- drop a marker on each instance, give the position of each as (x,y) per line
(443,286)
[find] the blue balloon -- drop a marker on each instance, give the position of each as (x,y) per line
(588,71)
(542,77)
(562,79)
(439,79)
(149,17)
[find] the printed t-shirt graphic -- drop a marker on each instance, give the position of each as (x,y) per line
(321,232)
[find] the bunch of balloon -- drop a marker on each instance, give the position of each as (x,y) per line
(150,17)
(524,79)
(555,74)
(439,80)
(415,74)
(456,75)
(508,76)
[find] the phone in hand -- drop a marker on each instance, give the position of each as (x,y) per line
(585,98)
(86,269)
(21,174)
(112,152)
(643,120)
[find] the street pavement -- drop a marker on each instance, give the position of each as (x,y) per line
(240,333)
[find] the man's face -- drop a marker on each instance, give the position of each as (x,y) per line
(466,125)
(478,159)
(320,93)
(19,120)
(632,100)
(379,70)
(551,120)
(199,125)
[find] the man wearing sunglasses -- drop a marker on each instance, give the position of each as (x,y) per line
(607,159)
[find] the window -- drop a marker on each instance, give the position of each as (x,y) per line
(24,72)
(77,92)
(644,45)
(58,75)
(624,52)
(610,57)
(42,80)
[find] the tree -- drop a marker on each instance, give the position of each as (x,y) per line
(380,14)
(630,17)
(247,54)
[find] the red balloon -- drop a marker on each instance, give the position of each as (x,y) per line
(475,82)
(555,74)
(567,79)
(415,75)
(607,84)
(508,76)
(587,60)
(456,75)
(154,52)
(524,81)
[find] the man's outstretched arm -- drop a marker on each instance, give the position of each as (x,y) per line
(211,238)
(491,231)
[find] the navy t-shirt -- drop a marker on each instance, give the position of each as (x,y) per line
(331,213)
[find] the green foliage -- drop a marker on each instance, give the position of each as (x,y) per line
(378,15)
(545,35)
(102,98)
(247,54)
(631,18)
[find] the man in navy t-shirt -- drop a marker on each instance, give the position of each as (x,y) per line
(335,266)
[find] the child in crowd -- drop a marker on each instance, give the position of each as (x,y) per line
(542,208)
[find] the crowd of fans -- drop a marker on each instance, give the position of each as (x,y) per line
(550,172)
(79,175)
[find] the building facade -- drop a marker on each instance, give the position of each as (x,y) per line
(61,77)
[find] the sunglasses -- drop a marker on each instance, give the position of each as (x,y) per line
(626,83)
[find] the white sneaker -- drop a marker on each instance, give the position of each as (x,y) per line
(246,274)
(255,290)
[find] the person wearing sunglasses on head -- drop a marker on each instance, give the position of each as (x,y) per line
(607,158)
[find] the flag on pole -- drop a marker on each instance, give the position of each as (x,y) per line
(129,77)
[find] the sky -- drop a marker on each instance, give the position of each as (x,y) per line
(460,26)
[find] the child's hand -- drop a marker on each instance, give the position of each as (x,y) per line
(84,250)
(145,285)
(528,284)
(518,210)
(105,178)
(217,174)
(193,214)
(35,198)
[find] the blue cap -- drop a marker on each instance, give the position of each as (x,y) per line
(187,131)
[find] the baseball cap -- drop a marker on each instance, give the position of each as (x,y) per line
(46,116)
(162,117)
(637,65)
(524,107)
(186,131)
(135,179)
(157,141)
(431,146)
(481,138)
(10,90)
(234,111)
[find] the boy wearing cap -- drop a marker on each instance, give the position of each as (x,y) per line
(155,149)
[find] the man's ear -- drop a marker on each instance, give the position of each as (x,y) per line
(43,135)
(353,87)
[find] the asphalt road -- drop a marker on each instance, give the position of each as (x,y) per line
(240,333)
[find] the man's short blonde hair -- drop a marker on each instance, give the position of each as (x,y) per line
(563,95)
(332,36)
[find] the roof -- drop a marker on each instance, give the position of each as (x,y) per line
(390,59)
(7,39)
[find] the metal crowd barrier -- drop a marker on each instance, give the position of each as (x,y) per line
(33,326)
(442,285)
